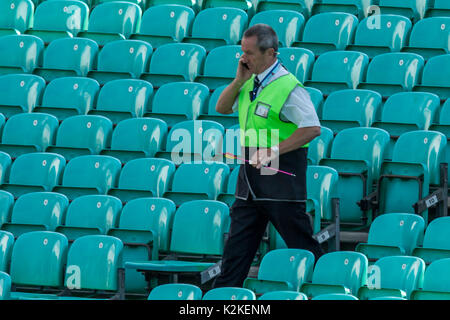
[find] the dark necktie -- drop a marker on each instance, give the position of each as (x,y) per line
(256,84)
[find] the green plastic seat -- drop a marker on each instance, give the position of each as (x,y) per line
(137,138)
(122,59)
(298,61)
(82,135)
(175,291)
(5,286)
(433,79)
(337,272)
(226,120)
(441,8)
(429,37)
(179,101)
(37,171)
(316,98)
(38,260)
(220,66)
(412,9)
(393,72)
(111,21)
(16,16)
(198,181)
(231,144)
(302,6)
(175,62)
(320,147)
(193,140)
(214,27)
(435,282)
(28,132)
(287,24)
(165,23)
(338,70)
(351,108)
(407,111)
(228,195)
(48,211)
(148,177)
(443,126)
(59,19)
(379,34)
(435,242)
(6,205)
(123,99)
(196,7)
(335,296)
(20,53)
(281,270)
(283,295)
(90,214)
(20,93)
(393,234)
(359,8)
(229,293)
(90,174)
(7,240)
(69,96)
(328,31)
(394,276)
(357,155)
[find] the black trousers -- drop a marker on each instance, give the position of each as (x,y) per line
(248,223)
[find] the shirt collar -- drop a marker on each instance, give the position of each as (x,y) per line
(265,72)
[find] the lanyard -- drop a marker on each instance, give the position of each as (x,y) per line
(269,74)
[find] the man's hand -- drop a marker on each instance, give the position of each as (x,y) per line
(243,73)
(263,157)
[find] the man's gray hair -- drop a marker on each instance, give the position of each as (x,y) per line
(266,36)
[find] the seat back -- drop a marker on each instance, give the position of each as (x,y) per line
(431,33)
(21,90)
(417,8)
(6,205)
(5,286)
(298,61)
(6,245)
(434,70)
(17,14)
(436,234)
(21,51)
(175,291)
(321,188)
(436,276)
(320,146)
(222,61)
(229,293)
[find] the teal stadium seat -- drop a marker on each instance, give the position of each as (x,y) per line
(36,171)
(198,181)
(282,270)
(351,108)
(298,61)
(227,196)
(393,234)
(7,240)
(176,291)
(148,177)
(122,99)
(393,276)
(220,66)
(316,97)
(196,6)
(215,27)
(20,53)
(443,125)
(16,16)
(328,31)
(412,9)
(38,260)
(68,57)
(193,140)
(5,167)
(407,111)
(337,272)
(226,120)
(335,296)
(5,286)
(248,6)
(179,101)
(20,93)
(394,72)
(69,96)
(320,147)
(359,8)
(6,205)
(383,33)
(143,4)
(165,23)
(441,8)
(59,19)
(430,37)
(48,211)
(90,174)
(287,24)
(283,295)
(357,155)
(111,21)
(435,282)
(231,143)
(137,138)
(434,77)
(2,122)
(82,135)
(229,293)
(202,242)
(338,70)
(122,59)
(40,133)
(302,6)
(175,62)
(90,214)
(435,242)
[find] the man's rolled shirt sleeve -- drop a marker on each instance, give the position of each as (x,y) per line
(299,109)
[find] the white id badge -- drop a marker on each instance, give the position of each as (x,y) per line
(262,110)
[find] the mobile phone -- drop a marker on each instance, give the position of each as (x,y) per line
(245,65)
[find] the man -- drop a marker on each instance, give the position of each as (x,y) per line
(273,102)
